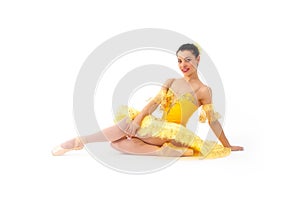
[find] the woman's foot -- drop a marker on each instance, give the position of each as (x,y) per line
(169,149)
(73,144)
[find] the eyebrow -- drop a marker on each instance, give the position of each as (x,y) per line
(184,58)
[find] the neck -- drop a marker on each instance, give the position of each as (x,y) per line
(191,77)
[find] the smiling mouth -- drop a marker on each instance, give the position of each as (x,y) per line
(185,70)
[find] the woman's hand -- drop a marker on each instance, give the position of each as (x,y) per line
(131,129)
(236,148)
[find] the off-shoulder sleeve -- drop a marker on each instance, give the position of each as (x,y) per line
(125,111)
(163,93)
(208,114)
(159,97)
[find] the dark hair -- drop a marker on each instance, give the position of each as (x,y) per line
(189,47)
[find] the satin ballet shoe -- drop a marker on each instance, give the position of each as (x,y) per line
(59,150)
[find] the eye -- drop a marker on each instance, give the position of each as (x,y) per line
(179,61)
(188,60)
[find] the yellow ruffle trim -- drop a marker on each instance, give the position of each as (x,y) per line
(156,127)
(208,114)
(125,111)
(211,149)
(165,99)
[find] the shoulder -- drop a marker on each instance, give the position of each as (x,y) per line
(204,89)
(204,94)
(168,82)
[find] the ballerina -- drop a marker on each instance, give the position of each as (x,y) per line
(139,132)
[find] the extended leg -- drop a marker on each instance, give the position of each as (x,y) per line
(112,133)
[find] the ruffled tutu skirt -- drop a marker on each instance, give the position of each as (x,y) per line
(152,126)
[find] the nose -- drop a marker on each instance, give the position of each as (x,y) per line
(182,64)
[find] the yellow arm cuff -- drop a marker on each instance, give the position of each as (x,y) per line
(208,114)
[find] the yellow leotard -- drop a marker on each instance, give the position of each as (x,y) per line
(172,124)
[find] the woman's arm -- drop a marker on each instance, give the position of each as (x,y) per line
(135,124)
(148,109)
(206,99)
(219,132)
(154,103)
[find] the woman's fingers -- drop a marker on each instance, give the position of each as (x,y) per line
(130,131)
(236,148)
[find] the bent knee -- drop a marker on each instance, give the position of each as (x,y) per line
(116,145)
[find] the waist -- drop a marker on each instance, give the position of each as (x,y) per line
(175,119)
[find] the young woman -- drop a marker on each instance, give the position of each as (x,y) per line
(139,132)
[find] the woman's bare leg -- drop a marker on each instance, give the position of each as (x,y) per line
(112,133)
(116,135)
(135,146)
(139,147)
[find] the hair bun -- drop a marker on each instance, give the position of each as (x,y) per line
(198,47)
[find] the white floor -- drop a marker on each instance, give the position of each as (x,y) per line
(30,170)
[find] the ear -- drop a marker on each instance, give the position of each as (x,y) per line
(198,59)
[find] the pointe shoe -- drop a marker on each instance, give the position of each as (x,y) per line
(59,150)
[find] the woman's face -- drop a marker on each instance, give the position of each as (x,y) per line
(187,62)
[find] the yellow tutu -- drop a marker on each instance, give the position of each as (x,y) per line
(172,124)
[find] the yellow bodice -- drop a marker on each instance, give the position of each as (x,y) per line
(178,109)
(175,109)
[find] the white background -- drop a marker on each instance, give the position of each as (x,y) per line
(254,45)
